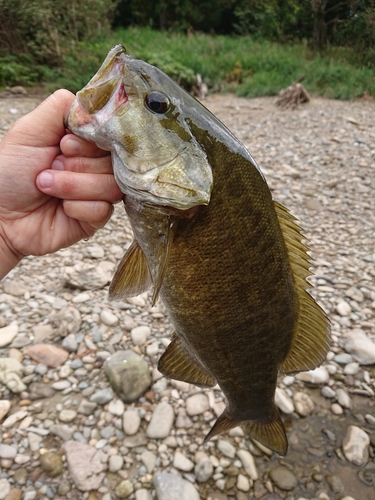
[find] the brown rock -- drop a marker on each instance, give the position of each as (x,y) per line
(14,494)
(49,355)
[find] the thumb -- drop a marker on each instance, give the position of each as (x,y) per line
(44,126)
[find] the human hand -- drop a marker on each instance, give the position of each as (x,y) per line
(55,188)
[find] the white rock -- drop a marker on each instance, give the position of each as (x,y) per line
(7,335)
(203,470)
(283,401)
(140,334)
(318,376)
(95,251)
(343,308)
(243,483)
(161,421)
(142,494)
(303,403)
(327,392)
(108,318)
(67,415)
(116,407)
(14,418)
(355,445)
(81,297)
(61,385)
(149,460)
(248,464)
(7,451)
(336,409)
(343,398)
(152,349)
(226,448)
(197,404)
(181,462)
(4,488)
(86,465)
(115,463)
(131,422)
(360,347)
(351,368)
(4,408)
(34,441)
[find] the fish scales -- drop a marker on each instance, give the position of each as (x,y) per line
(227,260)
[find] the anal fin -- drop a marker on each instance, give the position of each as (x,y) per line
(132,275)
(176,363)
(270,433)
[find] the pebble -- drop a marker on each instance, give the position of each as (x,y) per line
(197,404)
(67,416)
(283,401)
(318,376)
(243,483)
(4,408)
(161,421)
(149,460)
(115,463)
(7,334)
(124,489)
(226,448)
(360,347)
(303,404)
(355,445)
(48,354)
(142,494)
(181,462)
(343,308)
(204,470)
(7,451)
(70,343)
(283,478)
(248,464)
(131,422)
(171,487)
(140,334)
(108,318)
(86,465)
(103,396)
(52,463)
(343,398)
(4,488)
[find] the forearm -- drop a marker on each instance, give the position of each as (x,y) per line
(8,258)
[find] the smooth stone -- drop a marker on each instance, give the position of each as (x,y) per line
(14,418)
(4,488)
(115,463)
(248,464)
(197,404)
(351,368)
(360,347)
(64,432)
(14,288)
(343,308)
(84,276)
(355,445)
(226,448)
(335,484)
(129,375)
(283,478)
(48,354)
(116,407)
(336,409)
(34,441)
(283,401)
(11,372)
(149,460)
(86,465)
(14,494)
(38,390)
(42,333)
(303,404)
(95,251)
(355,294)
(52,463)
(61,385)
(7,451)
(343,398)
(131,421)
(103,396)
(171,487)
(327,392)
(142,494)
(7,334)
(243,483)
(204,470)
(67,416)
(161,421)
(108,318)
(140,334)
(86,407)
(343,359)
(70,343)
(4,408)
(124,489)
(63,488)
(181,462)
(318,376)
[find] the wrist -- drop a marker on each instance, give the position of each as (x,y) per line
(9,257)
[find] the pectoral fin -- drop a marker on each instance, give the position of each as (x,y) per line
(310,342)
(270,433)
(132,275)
(177,364)
(162,257)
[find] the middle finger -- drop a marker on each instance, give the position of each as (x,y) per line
(82,164)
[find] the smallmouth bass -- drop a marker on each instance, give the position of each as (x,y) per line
(227,261)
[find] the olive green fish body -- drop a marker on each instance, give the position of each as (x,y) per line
(227,260)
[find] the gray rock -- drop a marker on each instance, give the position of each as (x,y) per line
(67,415)
(11,372)
(7,451)
(356,445)
(149,460)
(181,462)
(343,308)
(4,488)
(86,465)
(361,347)
(351,368)
(170,487)
(142,494)
(128,374)
(226,448)
(70,343)
(116,463)
(343,398)
(140,334)
(108,318)
(67,321)
(283,478)
(161,422)
(131,421)
(327,392)
(343,359)
(4,408)
(203,470)
(34,441)
(64,432)
(103,396)
(86,277)
(86,407)
(41,369)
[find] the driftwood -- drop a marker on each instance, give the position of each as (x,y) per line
(292,96)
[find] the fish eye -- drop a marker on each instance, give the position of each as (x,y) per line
(157,102)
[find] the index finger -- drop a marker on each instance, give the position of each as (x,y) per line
(71,145)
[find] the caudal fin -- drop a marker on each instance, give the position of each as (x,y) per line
(270,433)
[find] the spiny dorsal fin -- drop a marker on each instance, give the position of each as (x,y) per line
(132,275)
(270,433)
(310,342)
(176,363)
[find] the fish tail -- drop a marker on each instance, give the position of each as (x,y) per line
(270,433)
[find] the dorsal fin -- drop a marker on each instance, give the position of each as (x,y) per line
(310,342)
(132,275)
(176,363)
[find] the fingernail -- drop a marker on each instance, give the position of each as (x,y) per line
(71,147)
(57,165)
(45,179)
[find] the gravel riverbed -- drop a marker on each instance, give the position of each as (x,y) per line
(65,434)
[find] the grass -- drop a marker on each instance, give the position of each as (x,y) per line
(240,64)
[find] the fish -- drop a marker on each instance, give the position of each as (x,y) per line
(229,263)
